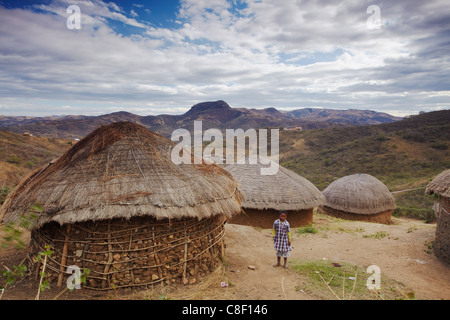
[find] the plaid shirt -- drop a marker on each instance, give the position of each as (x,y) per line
(281,241)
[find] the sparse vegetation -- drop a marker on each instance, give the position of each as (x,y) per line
(429,245)
(440,146)
(14,159)
(13,238)
(19,155)
(4,191)
(13,231)
(335,280)
(404,155)
(377,235)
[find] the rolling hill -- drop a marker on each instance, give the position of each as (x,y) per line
(351,116)
(19,155)
(405,154)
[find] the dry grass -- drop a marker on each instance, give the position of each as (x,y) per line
(208,288)
(20,155)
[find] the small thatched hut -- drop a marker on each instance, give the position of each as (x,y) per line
(441,187)
(359,197)
(116,204)
(266,195)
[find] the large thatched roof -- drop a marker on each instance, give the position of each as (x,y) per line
(359,193)
(440,184)
(284,190)
(123,170)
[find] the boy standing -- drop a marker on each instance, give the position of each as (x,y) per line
(281,234)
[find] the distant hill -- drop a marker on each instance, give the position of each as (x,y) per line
(404,154)
(24,120)
(215,114)
(351,116)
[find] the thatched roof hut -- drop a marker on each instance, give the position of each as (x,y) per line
(441,187)
(359,197)
(266,195)
(440,184)
(117,197)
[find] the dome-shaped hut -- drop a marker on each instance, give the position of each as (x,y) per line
(265,195)
(359,197)
(441,187)
(116,204)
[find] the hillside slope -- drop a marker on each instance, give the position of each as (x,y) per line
(360,117)
(404,155)
(20,154)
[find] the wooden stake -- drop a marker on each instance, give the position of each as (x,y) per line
(222,245)
(158,262)
(42,277)
(185,262)
(222,249)
(110,258)
(185,256)
(326,283)
(64,258)
(211,250)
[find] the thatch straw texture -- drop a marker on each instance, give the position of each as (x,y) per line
(284,190)
(123,170)
(360,194)
(440,184)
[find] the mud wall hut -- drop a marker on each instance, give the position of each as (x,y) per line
(359,197)
(266,195)
(440,186)
(116,204)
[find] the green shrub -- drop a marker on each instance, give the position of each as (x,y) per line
(414,136)
(440,146)
(377,235)
(307,229)
(412,211)
(14,160)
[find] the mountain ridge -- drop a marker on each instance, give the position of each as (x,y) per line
(214,114)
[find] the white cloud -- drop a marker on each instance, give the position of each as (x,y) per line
(285,54)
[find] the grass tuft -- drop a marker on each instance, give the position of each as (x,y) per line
(343,281)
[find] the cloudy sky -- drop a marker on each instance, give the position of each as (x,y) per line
(161,56)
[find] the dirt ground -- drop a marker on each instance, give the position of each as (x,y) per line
(400,250)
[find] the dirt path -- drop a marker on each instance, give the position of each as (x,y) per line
(246,247)
(400,250)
